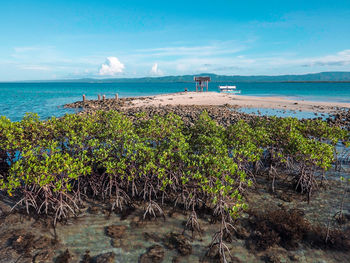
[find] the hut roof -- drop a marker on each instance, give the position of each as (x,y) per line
(201,78)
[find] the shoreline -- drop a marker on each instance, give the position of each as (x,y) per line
(214,99)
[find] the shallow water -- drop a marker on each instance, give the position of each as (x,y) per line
(47,99)
(283,113)
(88,231)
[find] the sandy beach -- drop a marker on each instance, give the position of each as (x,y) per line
(215,99)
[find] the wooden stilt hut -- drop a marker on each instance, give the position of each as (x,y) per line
(201,83)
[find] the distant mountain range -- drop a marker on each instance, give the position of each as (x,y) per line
(315,77)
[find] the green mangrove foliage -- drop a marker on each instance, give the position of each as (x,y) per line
(52,166)
(299,148)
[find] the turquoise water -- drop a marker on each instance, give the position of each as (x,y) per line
(47,99)
(284,113)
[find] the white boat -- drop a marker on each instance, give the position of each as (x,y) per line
(229,89)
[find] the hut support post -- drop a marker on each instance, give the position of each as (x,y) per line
(201,83)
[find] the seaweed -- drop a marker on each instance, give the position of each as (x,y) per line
(288,228)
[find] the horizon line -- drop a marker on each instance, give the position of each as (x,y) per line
(186,75)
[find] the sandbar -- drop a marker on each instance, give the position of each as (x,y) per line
(215,99)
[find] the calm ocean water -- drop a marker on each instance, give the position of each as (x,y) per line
(47,99)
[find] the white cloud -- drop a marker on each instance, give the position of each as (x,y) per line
(155,70)
(25,49)
(35,67)
(238,64)
(111,67)
(342,58)
(217,48)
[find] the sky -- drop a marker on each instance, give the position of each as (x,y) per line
(46,40)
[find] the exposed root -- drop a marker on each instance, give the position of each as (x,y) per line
(120,201)
(192,224)
(152,209)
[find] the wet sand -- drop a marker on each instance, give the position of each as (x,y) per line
(214,98)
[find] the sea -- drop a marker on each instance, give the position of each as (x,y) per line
(47,99)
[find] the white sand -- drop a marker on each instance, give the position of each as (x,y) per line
(214,98)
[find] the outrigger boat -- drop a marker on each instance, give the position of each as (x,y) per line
(229,89)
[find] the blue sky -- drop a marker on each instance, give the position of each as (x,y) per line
(102,39)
